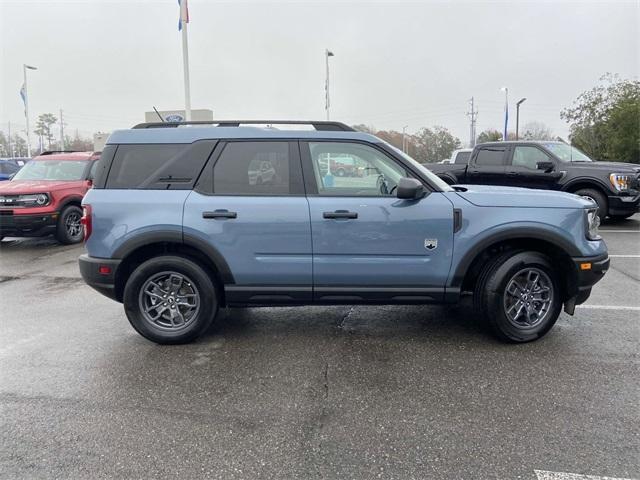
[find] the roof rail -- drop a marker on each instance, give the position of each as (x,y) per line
(53,152)
(321,125)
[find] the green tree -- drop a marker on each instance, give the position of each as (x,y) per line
(537,131)
(433,145)
(19,146)
(605,121)
(489,135)
(43,127)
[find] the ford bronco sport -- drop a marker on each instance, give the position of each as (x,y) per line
(45,195)
(177,226)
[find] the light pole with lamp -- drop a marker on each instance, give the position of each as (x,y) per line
(24,93)
(518,115)
(506,112)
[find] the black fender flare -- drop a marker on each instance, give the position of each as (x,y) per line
(518,233)
(70,199)
(594,182)
(176,236)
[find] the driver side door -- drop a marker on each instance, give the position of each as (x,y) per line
(367,244)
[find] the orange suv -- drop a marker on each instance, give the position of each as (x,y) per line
(44,197)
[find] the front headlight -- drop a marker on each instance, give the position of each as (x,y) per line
(592,223)
(34,200)
(620,181)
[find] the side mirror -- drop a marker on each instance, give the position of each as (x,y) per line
(547,167)
(409,189)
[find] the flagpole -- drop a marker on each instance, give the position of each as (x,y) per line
(185,59)
(506,113)
(26,108)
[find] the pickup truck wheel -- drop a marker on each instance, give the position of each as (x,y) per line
(69,229)
(597,197)
(520,296)
(621,217)
(170,300)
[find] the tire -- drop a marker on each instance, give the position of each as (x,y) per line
(621,217)
(179,297)
(597,197)
(526,311)
(340,172)
(69,230)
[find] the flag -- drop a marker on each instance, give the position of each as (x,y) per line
(23,94)
(184,13)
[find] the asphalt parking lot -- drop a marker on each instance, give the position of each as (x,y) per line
(340,392)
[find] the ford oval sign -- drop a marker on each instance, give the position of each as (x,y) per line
(174,117)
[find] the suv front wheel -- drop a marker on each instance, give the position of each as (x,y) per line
(518,294)
(69,229)
(170,300)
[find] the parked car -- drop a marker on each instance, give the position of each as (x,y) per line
(44,197)
(175,228)
(8,169)
(458,156)
(614,187)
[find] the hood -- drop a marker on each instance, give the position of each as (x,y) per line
(613,167)
(16,187)
(495,196)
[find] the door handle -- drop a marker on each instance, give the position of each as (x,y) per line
(219,214)
(512,174)
(340,214)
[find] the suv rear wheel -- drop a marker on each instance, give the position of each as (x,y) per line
(170,300)
(519,296)
(69,229)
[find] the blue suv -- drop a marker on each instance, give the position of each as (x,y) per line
(185,219)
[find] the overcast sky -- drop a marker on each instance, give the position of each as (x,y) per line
(106,62)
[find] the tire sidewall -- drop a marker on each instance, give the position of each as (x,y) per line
(598,198)
(62,235)
(183,265)
(494,297)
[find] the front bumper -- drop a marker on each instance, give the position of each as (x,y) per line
(27,225)
(624,204)
(99,274)
(590,270)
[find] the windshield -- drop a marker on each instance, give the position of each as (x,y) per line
(51,170)
(567,153)
(437,181)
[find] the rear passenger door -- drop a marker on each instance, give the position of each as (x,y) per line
(487,166)
(249,205)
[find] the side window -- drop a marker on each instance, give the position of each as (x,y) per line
(528,157)
(488,156)
(462,157)
(92,171)
(254,168)
(157,166)
(353,169)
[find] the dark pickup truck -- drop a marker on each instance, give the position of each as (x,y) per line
(615,187)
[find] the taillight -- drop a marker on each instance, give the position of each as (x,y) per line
(86,221)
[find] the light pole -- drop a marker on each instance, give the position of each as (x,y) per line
(327,101)
(25,99)
(506,112)
(518,115)
(404,139)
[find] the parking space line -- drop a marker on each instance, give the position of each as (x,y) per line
(609,307)
(624,256)
(619,231)
(544,475)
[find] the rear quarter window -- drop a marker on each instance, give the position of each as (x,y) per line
(157,166)
(490,156)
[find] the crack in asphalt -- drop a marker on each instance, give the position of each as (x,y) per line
(344,318)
